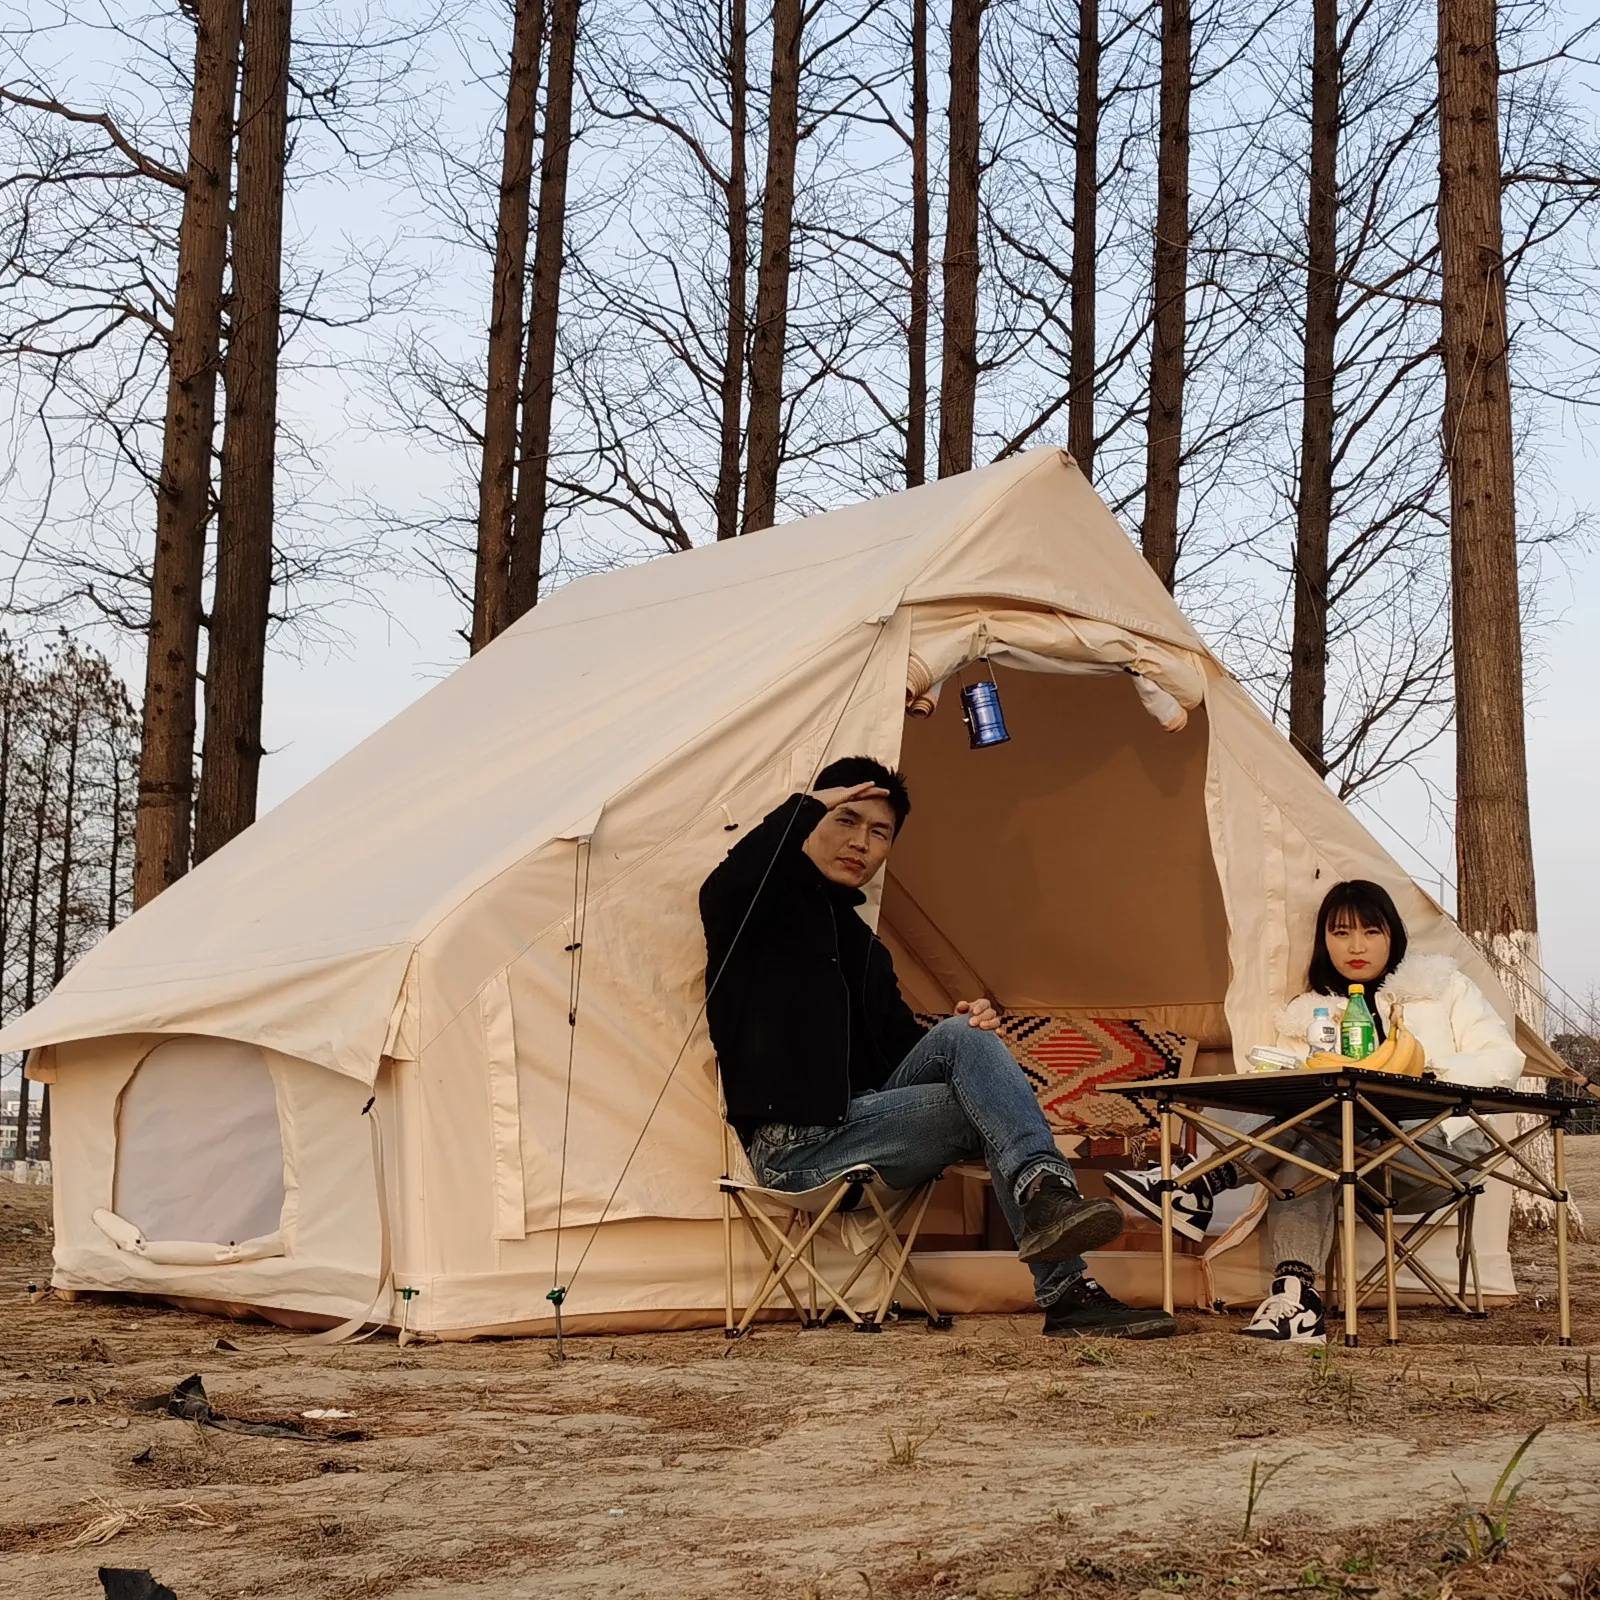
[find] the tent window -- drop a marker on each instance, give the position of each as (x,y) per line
(199,1155)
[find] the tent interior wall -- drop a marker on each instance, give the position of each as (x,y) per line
(1070,868)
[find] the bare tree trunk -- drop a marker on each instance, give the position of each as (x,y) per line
(30,984)
(921,247)
(69,822)
(732,394)
(765,440)
(1496,901)
(1308,669)
(236,658)
(113,887)
(1085,217)
(958,388)
(166,765)
(491,593)
(1164,443)
(549,251)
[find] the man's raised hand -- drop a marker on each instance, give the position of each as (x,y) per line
(979,1013)
(833,798)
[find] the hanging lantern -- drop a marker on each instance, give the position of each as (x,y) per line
(980,710)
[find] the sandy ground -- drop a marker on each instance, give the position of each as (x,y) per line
(982,1462)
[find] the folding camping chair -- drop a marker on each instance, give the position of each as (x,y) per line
(785,1228)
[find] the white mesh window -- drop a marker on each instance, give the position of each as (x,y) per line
(198,1151)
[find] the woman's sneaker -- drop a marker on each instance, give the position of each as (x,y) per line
(1086,1311)
(1191,1207)
(1292,1313)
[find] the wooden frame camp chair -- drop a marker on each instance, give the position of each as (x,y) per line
(785,1227)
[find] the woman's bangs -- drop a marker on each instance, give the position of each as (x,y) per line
(1355,909)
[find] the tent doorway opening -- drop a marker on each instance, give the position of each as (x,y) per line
(1071,868)
(1066,873)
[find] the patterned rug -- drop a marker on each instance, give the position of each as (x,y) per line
(1069,1059)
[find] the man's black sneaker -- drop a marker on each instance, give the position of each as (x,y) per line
(1086,1311)
(1058,1223)
(1292,1313)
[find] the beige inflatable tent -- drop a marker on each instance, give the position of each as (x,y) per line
(524,845)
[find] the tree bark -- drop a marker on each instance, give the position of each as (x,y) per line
(549,252)
(731,399)
(958,388)
(1170,282)
(491,591)
(921,248)
(242,603)
(166,765)
(1494,853)
(30,983)
(765,442)
(1308,668)
(58,966)
(1085,219)
(1496,902)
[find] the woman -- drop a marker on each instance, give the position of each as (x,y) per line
(1360,940)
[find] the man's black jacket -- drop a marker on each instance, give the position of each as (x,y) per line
(780,968)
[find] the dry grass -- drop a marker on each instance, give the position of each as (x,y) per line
(110,1519)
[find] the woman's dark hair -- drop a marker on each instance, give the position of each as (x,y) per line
(1369,905)
(848,771)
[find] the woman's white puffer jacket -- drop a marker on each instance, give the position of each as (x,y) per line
(1461,1034)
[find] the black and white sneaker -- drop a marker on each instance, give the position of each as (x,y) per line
(1086,1311)
(1191,1207)
(1292,1313)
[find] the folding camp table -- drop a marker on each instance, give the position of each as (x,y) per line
(1381,1121)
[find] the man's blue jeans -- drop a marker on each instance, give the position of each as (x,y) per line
(958,1095)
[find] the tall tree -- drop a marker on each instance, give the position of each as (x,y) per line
(921,244)
(237,650)
(1494,851)
(958,390)
(183,499)
(1169,297)
(549,256)
(491,596)
(764,444)
(1085,219)
(730,432)
(1308,670)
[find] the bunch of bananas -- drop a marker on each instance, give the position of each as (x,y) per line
(1399,1053)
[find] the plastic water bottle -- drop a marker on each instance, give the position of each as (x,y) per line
(1358,1033)
(1324,1035)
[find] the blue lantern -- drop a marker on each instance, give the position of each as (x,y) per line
(980,710)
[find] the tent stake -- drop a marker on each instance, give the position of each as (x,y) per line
(555,1297)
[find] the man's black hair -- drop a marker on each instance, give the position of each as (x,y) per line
(1369,906)
(848,771)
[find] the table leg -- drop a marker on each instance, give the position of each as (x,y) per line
(1166,1210)
(1347,1207)
(1559,1139)
(1390,1291)
(1478,1308)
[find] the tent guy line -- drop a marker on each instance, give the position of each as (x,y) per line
(559,1293)
(582,860)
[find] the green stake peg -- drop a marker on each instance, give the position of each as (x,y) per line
(555,1297)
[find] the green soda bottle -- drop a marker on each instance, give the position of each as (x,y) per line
(1358,1033)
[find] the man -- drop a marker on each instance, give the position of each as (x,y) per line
(825,1068)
